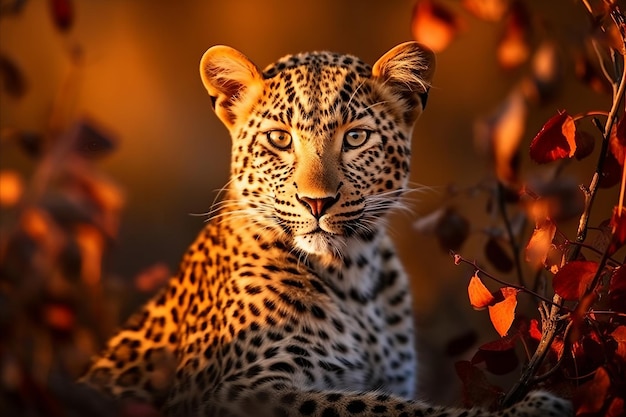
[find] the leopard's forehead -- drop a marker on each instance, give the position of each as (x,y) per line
(319,60)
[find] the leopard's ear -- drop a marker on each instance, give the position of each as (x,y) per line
(231,79)
(408,69)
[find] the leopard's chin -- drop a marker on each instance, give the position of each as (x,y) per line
(322,243)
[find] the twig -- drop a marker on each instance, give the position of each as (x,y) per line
(552,370)
(512,238)
(590,192)
(607,312)
(458,259)
(550,330)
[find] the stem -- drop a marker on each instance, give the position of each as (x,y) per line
(552,370)
(512,239)
(550,329)
(607,312)
(588,114)
(590,193)
(620,204)
(612,261)
(458,259)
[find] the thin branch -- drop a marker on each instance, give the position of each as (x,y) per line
(607,312)
(590,192)
(550,328)
(551,372)
(512,238)
(611,260)
(460,259)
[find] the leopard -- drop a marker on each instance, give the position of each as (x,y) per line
(293,301)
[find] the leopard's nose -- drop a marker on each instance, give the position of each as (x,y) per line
(317,206)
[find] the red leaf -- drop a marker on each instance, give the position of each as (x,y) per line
(93,140)
(616,409)
(611,172)
(477,391)
(461,343)
(479,296)
(617,290)
(555,140)
(498,257)
(434,25)
(590,396)
(585,142)
(540,243)
(62,13)
(452,230)
(13,81)
(502,314)
(534,331)
(580,313)
(547,74)
(618,229)
(619,335)
(571,281)
(499,356)
(59,317)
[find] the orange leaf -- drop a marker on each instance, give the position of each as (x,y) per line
(571,281)
(590,396)
(434,25)
(91,244)
(499,135)
(555,140)
(489,10)
(11,188)
(514,48)
(502,314)
(540,243)
(480,297)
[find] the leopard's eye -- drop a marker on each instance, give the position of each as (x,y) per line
(279,139)
(355,138)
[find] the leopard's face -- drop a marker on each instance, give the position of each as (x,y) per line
(321,149)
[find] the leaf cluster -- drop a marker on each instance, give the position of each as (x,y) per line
(575,347)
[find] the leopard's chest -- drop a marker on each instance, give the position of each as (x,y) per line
(317,329)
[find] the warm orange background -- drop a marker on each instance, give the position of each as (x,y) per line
(140,80)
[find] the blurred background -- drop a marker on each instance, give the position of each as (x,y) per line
(110,149)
